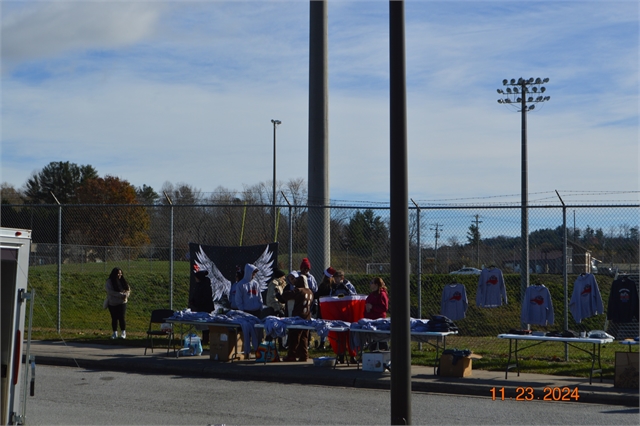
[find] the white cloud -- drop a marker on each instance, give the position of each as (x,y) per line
(48,29)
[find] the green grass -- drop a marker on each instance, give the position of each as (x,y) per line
(83,319)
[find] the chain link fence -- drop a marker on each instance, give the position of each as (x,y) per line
(76,246)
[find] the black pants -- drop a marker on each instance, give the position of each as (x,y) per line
(118,313)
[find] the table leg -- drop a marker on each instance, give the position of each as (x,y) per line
(234,332)
(515,355)
(517,362)
(435,365)
(600,362)
(181,342)
(595,355)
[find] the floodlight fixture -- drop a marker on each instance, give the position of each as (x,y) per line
(523,86)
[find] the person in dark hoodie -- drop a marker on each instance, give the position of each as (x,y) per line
(298,304)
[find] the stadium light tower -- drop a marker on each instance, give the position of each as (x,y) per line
(523,95)
(275,124)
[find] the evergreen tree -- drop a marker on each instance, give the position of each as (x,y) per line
(60,178)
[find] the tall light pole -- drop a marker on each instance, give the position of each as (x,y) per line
(273,211)
(523,95)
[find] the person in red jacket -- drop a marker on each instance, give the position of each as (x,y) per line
(377,303)
(376,306)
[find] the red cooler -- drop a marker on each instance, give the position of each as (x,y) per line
(346,308)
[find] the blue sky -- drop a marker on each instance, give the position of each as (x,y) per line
(184,91)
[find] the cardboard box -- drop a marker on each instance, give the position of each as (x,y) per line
(626,373)
(224,343)
(375,361)
(462,367)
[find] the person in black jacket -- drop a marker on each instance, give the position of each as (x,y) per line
(324,289)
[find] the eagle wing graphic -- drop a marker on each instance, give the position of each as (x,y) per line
(265,268)
(219,284)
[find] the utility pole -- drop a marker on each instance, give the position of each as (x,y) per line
(477,229)
(520,96)
(437,228)
(399,221)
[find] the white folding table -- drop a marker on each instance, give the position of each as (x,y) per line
(416,336)
(571,341)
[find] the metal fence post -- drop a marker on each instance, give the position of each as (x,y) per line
(170,251)
(565,278)
(59,263)
(419,242)
(290,233)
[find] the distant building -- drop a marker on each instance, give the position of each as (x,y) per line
(581,259)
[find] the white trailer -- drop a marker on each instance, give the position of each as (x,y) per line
(15,245)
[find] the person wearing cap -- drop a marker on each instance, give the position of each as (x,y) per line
(298,304)
(290,282)
(248,295)
(276,287)
(201,299)
(342,286)
(305,267)
(324,289)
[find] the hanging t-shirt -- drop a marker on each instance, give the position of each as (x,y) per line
(623,300)
(537,307)
(491,289)
(585,299)
(454,301)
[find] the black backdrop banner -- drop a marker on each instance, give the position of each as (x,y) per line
(227,258)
